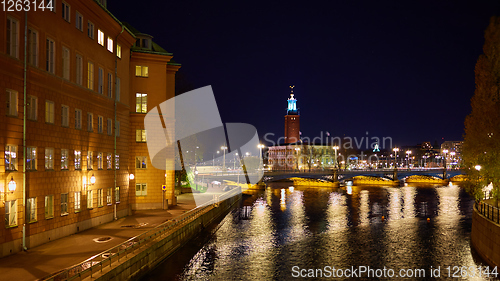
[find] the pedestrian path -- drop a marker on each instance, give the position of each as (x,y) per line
(43,260)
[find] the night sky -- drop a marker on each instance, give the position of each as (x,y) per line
(400,69)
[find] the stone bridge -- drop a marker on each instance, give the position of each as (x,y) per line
(344,175)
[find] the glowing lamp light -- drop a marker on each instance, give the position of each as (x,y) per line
(131,176)
(92,179)
(12,185)
(477,167)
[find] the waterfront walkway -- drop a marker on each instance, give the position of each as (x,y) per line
(43,260)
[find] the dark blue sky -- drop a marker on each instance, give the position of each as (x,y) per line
(403,69)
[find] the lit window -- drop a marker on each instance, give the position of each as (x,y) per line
(12,36)
(140,135)
(79,21)
(78,119)
(119,51)
(90,75)
(64,204)
(49,112)
(117,194)
(49,158)
(50,55)
(65,11)
(31,108)
(31,209)
(100,198)
(90,29)
(100,160)
(100,37)
(65,62)
(78,159)
(78,201)
(110,44)
(141,71)
(109,193)
(141,103)
(117,162)
(64,159)
(90,160)
(64,115)
(11,103)
(49,206)
(109,161)
(141,189)
(11,213)
(140,162)
(31,158)
(32,47)
(11,157)
(90,199)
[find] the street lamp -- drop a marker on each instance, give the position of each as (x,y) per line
(395,157)
(297,149)
(335,148)
(408,152)
(477,167)
(260,146)
(12,185)
(445,151)
(92,181)
(223,148)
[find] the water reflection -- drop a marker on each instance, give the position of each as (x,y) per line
(314,227)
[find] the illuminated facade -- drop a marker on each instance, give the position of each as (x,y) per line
(75,95)
(292,121)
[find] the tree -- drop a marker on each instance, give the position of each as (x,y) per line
(482,125)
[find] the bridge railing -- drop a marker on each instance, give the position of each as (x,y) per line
(107,258)
(489,211)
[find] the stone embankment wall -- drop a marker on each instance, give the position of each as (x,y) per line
(485,238)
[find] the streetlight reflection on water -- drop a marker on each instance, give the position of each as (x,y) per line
(314,226)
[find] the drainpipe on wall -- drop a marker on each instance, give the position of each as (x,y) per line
(24,125)
(115,104)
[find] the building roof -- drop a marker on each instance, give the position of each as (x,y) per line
(155,48)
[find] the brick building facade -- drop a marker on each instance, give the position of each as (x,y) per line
(73,103)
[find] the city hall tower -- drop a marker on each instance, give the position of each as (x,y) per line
(292,120)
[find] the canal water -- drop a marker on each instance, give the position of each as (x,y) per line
(286,231)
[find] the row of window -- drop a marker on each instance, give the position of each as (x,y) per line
(32,114)
(11,153)
(32,216)
(11,156)
(50,55)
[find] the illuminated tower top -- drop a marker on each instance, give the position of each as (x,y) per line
(292,104)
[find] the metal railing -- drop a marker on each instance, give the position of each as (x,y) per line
(107,258)
(489,211)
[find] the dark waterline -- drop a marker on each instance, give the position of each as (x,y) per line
(281,229)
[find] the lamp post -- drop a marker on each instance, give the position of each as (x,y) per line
(195,161)
(335,147)
(408,152)
(213,158)
(445,151)
(395,157)
(260,146)
(297,150)
(223,148)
